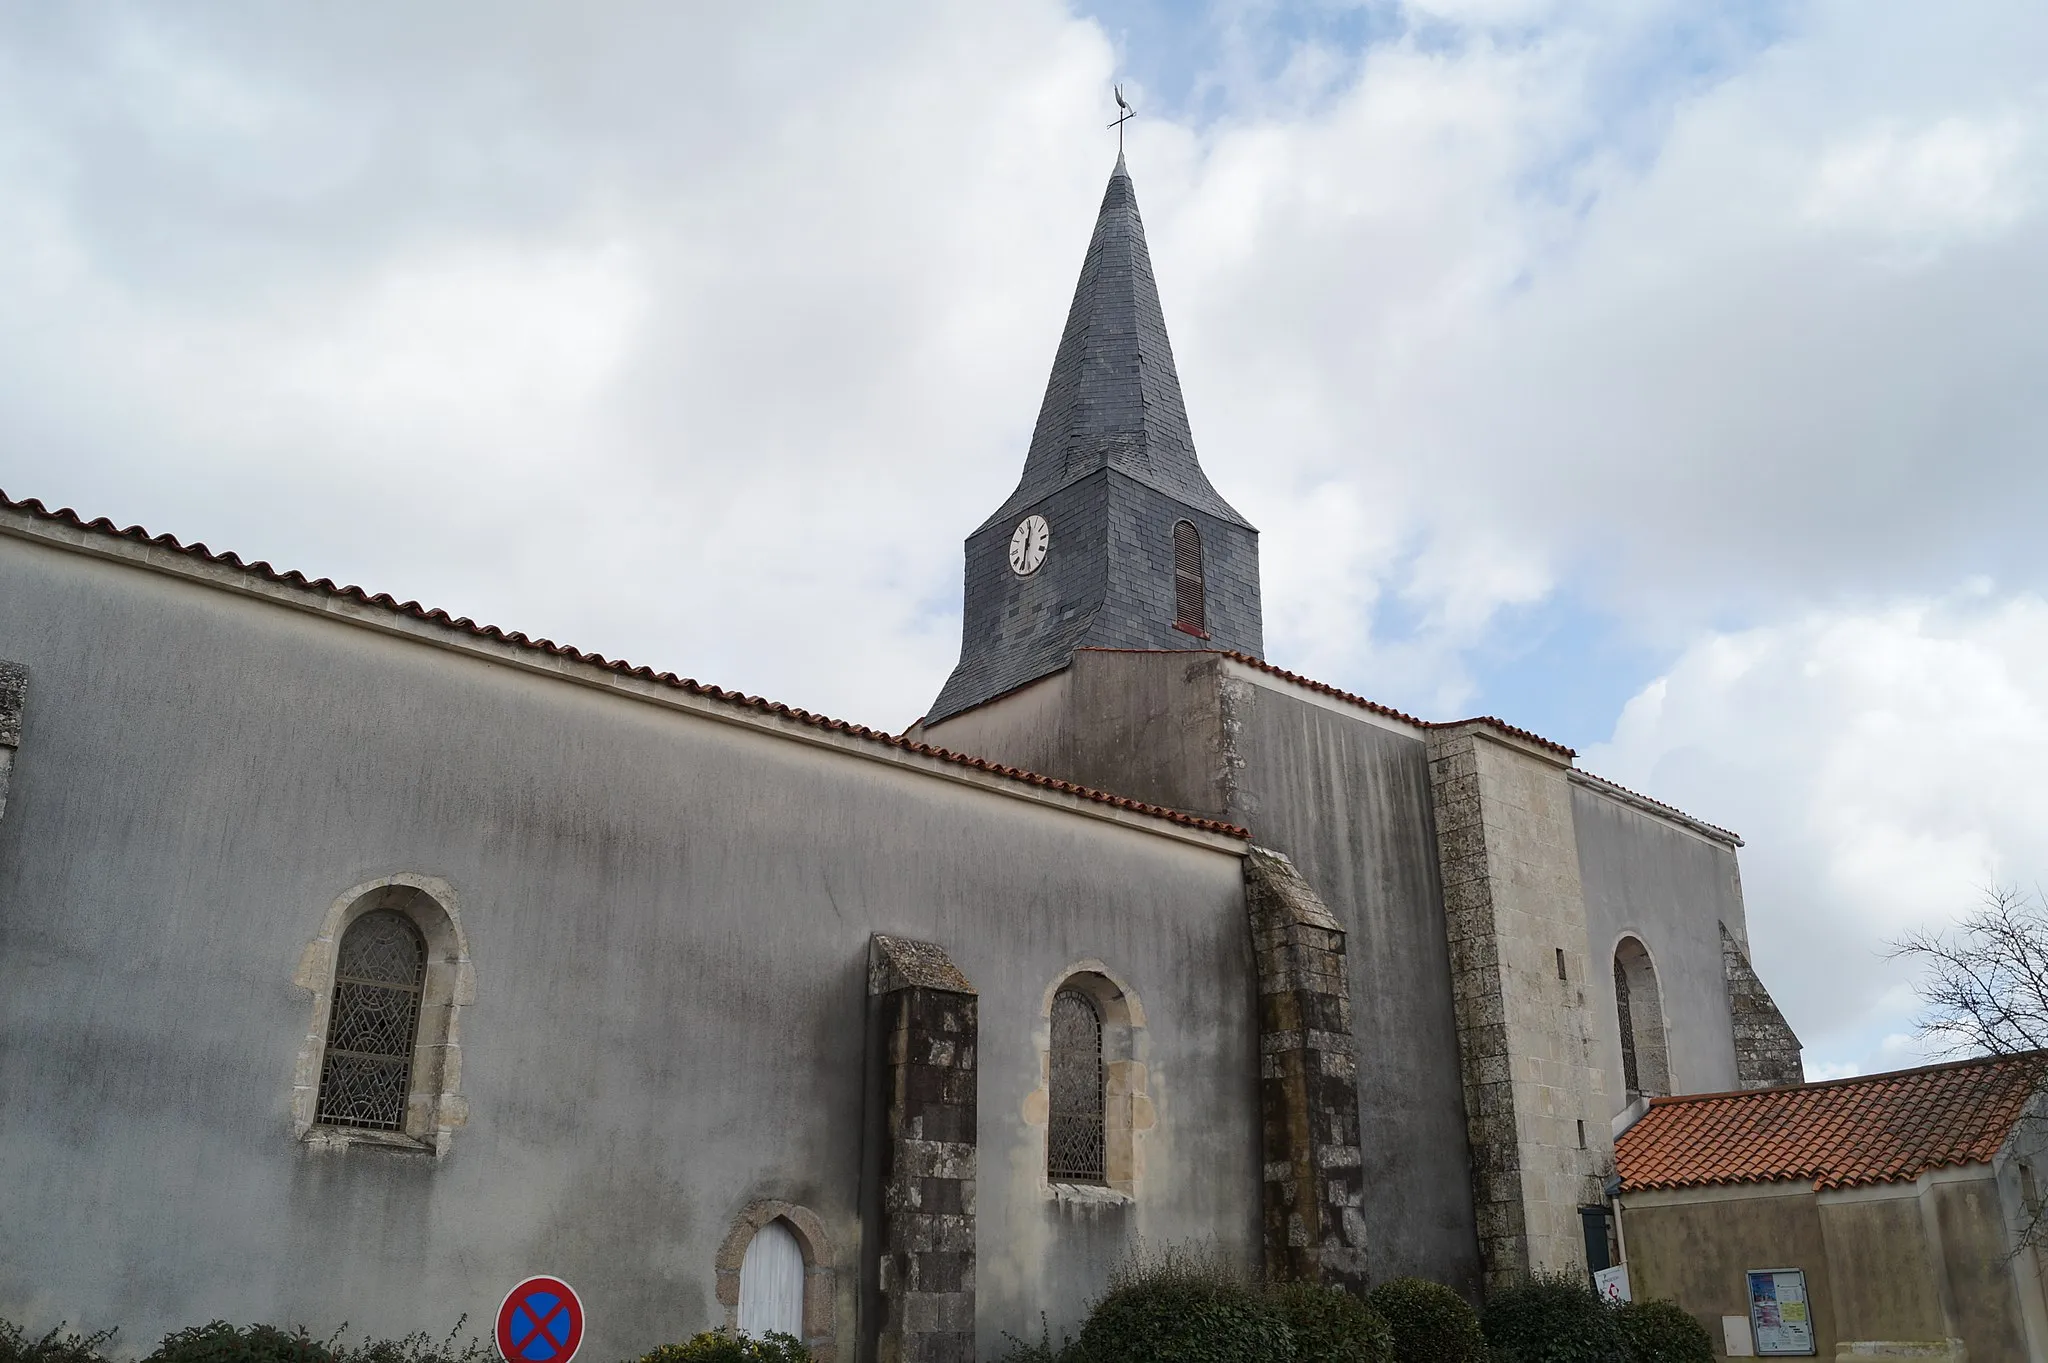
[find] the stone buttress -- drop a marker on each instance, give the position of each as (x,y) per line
(1515,916)
(925,1016)
(13,694)
(1314,1174)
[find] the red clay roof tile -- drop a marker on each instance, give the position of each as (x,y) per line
(1844,1133)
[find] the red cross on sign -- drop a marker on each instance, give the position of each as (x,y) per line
(541,1321)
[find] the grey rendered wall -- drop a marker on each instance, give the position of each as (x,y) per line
(1348,801)
(669,920)
(1650,878)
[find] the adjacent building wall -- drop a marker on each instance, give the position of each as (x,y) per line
(668,906)
(1925,1262)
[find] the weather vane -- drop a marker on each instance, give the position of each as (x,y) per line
(1128,114)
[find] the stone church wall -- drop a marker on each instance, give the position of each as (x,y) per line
(1347,799)
(668,906)
(1670,887)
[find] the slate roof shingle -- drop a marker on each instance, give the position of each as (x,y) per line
(1841,1133)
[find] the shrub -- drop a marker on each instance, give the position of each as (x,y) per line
(1552,1318)
(1661,1332)
(716,1346)
(1331,1325)
(220,1342)
(54,1347)
(416,1348)
(1184,1306)
(1019,1351)
(1430,1322)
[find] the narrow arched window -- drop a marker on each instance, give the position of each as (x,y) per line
(1639,1009)
(366,1073)
(1074,1134)
(1190,611)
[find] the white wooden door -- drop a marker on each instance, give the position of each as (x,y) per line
(772,1283)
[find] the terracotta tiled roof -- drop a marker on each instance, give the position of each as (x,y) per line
(463,625)
(1881,1128)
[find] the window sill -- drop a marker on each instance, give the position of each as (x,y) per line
(1097,1193)
(342,1137)
(1197,633)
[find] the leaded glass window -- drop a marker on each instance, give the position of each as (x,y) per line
(1074,1135)
(367,1071)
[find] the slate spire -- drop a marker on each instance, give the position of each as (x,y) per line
(1134,549)
(1113,400)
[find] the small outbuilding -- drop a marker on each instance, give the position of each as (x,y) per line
(1887,1215)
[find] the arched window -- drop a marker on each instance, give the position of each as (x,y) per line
(1190,612)
(1074,1134)
(366,1073)
(1639,1008)
(772,1283)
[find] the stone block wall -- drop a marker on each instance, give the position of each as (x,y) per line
(13,695)
(1314,1175)
(930,1035)
(1515,918)
(1767,1053)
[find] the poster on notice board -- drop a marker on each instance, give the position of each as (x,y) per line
(1779,1318)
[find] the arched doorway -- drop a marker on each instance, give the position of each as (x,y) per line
(772,1283)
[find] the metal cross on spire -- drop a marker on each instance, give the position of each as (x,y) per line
(1128,114)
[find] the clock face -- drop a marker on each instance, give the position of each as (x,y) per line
(1027,545)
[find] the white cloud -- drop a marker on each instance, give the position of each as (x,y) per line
(1885,766)
(703,336)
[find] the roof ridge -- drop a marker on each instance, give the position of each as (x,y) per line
(1491,721)
(1595,778)
(1856,1131)
(296,580)
(1849,1080)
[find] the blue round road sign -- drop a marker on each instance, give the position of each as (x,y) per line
(540,1322)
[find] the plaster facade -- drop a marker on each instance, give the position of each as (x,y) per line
(1927,1268)
(667,904)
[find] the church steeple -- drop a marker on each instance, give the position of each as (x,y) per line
(1114,396)
(1119,539)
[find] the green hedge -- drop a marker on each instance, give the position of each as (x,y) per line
(1184,1305)
(58,1346)
(1663,1332)
(1552,1318)
(1430,1322)
(716,1346)
(1331,1325)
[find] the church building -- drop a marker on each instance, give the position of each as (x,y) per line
(357,961)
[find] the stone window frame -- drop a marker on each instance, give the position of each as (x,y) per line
(1128,1111)
(435,1106)
(821,1271)
(1635,972)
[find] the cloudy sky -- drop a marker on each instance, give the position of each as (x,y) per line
(1664,377)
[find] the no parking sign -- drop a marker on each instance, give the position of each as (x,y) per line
(541,1321)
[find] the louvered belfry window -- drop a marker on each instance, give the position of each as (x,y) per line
(1074,1138)
(367,1071)
(1190,613)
